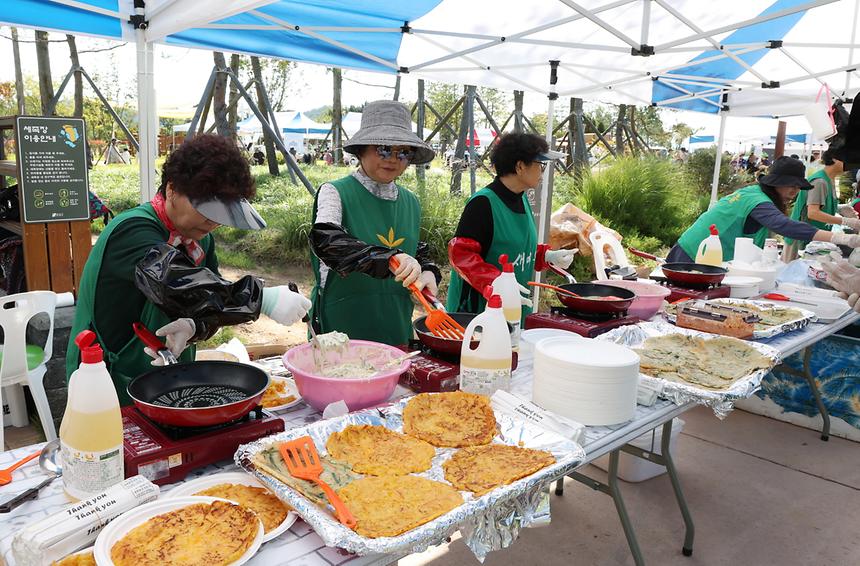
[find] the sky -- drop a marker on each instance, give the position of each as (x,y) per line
(181,75)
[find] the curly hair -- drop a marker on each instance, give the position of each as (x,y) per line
(512,148)
(208,166)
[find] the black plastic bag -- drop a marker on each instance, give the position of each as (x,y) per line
(170,280)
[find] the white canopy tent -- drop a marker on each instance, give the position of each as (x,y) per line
(747,57)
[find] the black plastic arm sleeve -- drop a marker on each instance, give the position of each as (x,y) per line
(422,255)
(346,254)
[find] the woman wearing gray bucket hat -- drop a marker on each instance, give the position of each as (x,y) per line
(754,211)
(156,264)
(361,222)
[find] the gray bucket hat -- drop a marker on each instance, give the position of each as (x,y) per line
(387,122)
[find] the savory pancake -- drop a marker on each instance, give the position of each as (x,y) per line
(276,394)
(453,419)
(715,363)
(83,559)
(390,505)
(335,473)
(271,510)
(378,451)
(204,534)
(480,469)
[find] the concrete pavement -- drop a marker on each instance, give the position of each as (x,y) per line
(761,492)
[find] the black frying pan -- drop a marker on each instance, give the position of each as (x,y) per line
(596,306)
(693,273)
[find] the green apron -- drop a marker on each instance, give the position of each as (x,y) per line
(130,361)
(359,305)
(513,234)
(830,206)
(729,215)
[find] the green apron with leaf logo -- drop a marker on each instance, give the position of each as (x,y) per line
(130,361)
(359,305)
(513,234)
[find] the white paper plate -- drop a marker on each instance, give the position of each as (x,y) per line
(291,390)
(239,478)
(121,526)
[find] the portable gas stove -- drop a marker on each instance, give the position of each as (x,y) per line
(165,454)
(432,371)
(584,324)
(704,292)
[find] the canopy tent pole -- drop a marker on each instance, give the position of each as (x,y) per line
(544,195)
(145,106)
(851,49)
(718,159)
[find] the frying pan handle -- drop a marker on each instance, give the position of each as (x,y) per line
(646,255)
(147,337)
(432,298)
(295,289)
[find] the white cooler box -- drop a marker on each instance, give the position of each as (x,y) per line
(633,469)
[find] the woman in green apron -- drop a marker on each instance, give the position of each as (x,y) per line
(498,220)
(753,212)
(156,264)
(362,221)
(819,205)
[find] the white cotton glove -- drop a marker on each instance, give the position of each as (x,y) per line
(408,270)
(560,258)
(843,277)
(427,280)
(850,240)
(851,222)
(525,301)
(847,211)
(853,302)
(283,305)
(178,333)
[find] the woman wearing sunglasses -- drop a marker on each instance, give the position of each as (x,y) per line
(363,220)
(498,220)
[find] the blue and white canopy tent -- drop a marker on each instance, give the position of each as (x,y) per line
(734,57)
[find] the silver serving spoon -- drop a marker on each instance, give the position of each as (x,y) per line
(49,461)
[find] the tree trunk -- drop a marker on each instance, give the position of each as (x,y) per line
(43,59)
(219,96)
(337,118)
(79,84)
(619,130)
(518,111)
(233,117)
(397,88)
(19,77)
(271,156)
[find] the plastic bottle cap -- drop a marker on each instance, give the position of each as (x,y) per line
(91,352)
(494,302)
(506,266)
(714,231)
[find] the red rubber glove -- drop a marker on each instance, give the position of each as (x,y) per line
(540,257)
(465,257)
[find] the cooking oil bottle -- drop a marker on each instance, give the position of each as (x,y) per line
(711,250)
(91,431)
(487,368)
(508,288)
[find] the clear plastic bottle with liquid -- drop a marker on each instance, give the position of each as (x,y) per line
(91,430)
(508,288)
(487,368)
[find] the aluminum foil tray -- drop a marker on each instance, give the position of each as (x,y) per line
(722,402)
(490,522)
(806,316)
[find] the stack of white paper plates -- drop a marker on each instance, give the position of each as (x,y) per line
(592,382)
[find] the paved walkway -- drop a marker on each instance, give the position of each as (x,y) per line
(762,492)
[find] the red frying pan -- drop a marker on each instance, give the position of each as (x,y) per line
(686,273)
(203,393)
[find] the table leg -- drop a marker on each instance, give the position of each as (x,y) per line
(687,549)
(813,386)
(559,486)
(611,489)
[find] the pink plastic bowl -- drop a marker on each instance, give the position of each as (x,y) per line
(358,393)
(649,296)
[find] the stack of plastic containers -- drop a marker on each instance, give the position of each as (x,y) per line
(590,381)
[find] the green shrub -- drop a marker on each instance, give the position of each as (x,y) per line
(700,170)
(647,197)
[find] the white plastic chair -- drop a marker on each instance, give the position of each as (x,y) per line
(16,311)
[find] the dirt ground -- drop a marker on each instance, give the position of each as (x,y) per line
(264,330)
